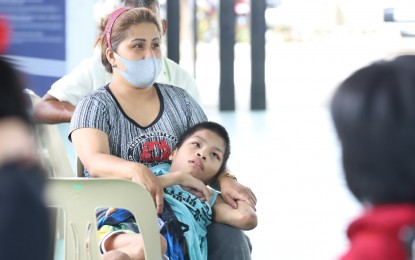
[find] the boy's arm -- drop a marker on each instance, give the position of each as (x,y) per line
(243,217)
(188,182)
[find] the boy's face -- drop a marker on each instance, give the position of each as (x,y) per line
(201,155)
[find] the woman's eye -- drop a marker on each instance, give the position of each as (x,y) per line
(140,46)
(156,45)
(196,144)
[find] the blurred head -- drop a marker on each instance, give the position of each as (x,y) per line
(203,150)
(374,115)
(134,34)
(13,102)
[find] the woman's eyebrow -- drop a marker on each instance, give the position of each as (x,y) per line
(143,40)
(139,40)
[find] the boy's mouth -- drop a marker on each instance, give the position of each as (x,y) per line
(198,163)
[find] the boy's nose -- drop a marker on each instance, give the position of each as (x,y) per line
(200,155)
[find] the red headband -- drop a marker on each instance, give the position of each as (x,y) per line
(111,21)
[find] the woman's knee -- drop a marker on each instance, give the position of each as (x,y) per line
(226,242)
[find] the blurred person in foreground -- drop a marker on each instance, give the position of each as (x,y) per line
(374,115)
(24,221)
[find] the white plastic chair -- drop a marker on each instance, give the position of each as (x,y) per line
(53,153)
(79,199)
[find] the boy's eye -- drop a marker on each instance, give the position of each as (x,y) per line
(196,144)
(215,155)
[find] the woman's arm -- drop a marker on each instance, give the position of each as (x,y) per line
(92,147)
(243,217)
(232,191)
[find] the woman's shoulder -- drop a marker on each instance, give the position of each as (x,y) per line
(100,95)
(101,92)
(171,89)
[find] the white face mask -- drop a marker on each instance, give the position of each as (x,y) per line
(140,73)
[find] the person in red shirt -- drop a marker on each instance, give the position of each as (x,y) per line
(374,116)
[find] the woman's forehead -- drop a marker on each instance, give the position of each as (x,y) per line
(143,30)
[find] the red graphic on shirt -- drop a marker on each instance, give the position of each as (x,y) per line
(152,148)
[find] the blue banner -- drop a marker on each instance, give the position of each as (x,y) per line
(38,43)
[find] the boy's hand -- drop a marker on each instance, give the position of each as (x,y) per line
(194,186)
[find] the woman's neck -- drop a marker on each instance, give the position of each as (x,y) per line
(122,90)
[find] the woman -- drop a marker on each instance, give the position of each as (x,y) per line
(133,123)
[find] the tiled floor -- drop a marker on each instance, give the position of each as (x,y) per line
(290,160)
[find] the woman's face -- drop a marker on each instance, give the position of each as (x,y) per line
(142,41)
(201,155)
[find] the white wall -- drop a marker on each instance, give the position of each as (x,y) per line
(80,31)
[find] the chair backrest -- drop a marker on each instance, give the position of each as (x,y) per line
(79,198)
(53,153)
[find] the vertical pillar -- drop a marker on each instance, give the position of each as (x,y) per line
(173,30)
(227,18)
(195,38)
(258,29)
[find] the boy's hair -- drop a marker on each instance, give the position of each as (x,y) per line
(374,115)
(217,129)
(122,23)
(13,101)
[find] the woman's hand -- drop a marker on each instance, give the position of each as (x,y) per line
(143,176)
(95,156)
(232,191)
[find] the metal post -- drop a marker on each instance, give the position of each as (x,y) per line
(258,29)
(195,38)
(173,30)
(227,19)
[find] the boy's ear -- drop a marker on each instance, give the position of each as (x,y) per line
(171,156)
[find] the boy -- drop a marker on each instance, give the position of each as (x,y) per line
(200,154)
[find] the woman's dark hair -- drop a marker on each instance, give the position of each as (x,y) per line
(140,3)
(13,101)
(374,115)
(217,129)
(119,29)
